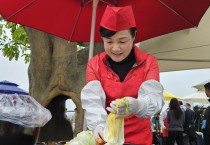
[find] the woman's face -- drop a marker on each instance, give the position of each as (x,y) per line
(119,45)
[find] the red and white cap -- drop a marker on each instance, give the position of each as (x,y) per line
(118,18)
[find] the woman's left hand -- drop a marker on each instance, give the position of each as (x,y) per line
(123,109)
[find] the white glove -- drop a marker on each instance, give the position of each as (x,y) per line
(99,132)
(134,107)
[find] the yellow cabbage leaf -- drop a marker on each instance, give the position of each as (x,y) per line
(114,128)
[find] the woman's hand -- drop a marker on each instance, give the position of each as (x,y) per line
(125,109)
(99,134)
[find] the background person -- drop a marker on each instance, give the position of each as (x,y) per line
(198,117)
(122,71)
(175,119)
(73,119)
(164,126)
(189,124)
(156,129)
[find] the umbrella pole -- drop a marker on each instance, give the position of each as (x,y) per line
(95,3)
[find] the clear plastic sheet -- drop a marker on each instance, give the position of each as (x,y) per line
(23,110)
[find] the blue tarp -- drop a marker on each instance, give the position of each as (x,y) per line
(7,87)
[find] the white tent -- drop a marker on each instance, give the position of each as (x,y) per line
(182,50)
(197,97)
(200,86)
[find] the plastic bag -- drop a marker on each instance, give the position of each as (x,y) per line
(23,110)
(114,128)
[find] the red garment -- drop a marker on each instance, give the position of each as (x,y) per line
(165,131)
(137,130)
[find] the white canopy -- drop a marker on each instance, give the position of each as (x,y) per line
(197,97)
(200,86)
(182,50)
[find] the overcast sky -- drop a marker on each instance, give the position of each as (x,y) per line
(14,71)
(179,82)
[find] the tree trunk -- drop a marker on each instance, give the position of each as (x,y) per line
(57,73)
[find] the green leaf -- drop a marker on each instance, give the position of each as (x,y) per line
(15,45)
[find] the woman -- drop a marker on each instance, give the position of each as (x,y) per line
(119,72)
(156,129)
(164,126)
(175,119)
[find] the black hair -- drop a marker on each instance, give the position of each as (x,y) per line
(207,85)
(180,103)
(108,33)
(174,105)
(188,104)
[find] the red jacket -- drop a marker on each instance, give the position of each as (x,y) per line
(137,130)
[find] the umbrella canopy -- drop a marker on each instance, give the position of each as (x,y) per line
(168,96)
(197,97)
(71,19)
(7,87)
(200,86)
(182,50)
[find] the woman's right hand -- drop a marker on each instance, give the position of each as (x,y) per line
(99,134)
